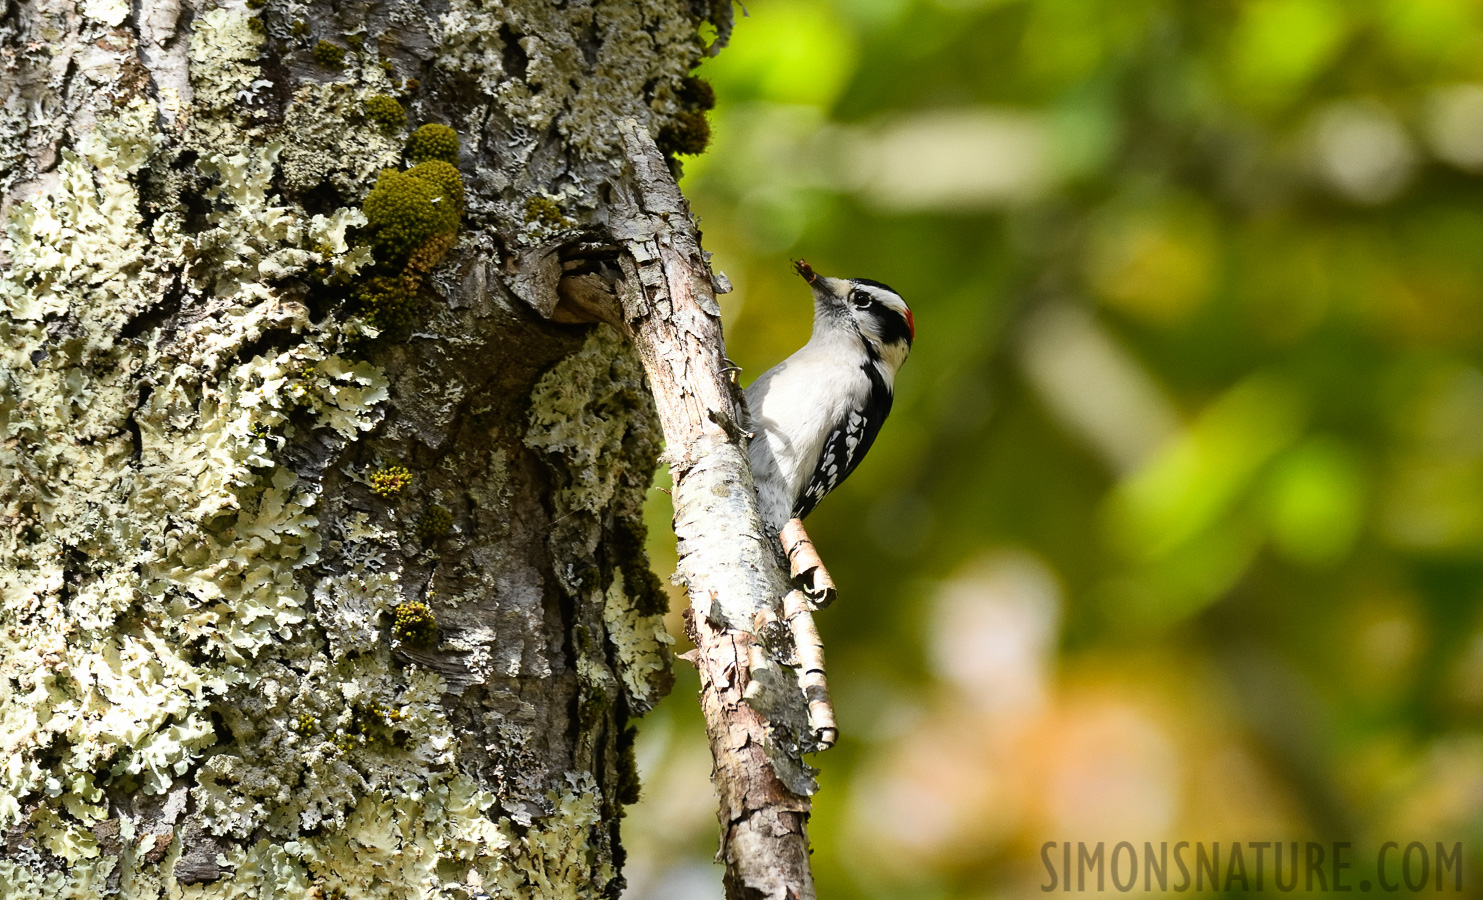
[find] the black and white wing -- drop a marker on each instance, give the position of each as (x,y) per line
(845,446)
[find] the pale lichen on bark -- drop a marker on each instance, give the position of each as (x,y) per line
(202,693)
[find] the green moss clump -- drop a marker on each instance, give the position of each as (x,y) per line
(434,524)
(388,302)
(257,27)
(331,56)
(299,29)
(414,625)
(256,4)
(426,257)
(449,183)
(688,133)
(386,112)
(404,211)
(356,42)
(413,219)
(371,725)
(368,716)
(306,724)
(389,480)
(433,141)
(697,93)
(545,212)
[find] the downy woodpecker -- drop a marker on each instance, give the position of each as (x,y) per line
(814,415)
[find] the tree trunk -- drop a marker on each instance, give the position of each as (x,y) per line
(321,551)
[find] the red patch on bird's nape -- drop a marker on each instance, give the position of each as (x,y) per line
(911,324)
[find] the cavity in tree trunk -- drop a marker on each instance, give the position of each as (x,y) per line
(320,551)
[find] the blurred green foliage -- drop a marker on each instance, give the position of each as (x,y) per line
(1176,531)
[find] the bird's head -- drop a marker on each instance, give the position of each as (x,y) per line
(873,310)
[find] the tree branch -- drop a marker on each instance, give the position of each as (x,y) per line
(729,563)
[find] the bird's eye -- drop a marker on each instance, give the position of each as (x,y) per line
(860,299)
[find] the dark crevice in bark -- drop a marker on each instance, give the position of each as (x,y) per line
(136,437)
(322,199)
(266,344)
(515,59)
(158,315)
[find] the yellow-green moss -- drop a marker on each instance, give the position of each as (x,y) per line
(413,218)
(433,141)
(414,625)
(387,303)
(356,42)
(448,180)
(404,211)
(331,56)
(386,112)
(426,257)
(299,28)
(434,524)
(389,480)
(371,721)
(545,212)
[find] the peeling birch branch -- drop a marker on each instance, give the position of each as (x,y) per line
(798,610)
(729,563)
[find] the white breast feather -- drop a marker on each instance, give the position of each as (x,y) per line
(794,405)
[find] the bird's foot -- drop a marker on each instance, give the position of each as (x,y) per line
(807,568)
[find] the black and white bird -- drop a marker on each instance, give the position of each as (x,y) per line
(815,415)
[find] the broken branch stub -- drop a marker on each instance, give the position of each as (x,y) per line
(755,708)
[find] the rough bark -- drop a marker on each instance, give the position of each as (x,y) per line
(314,584)
(728,561)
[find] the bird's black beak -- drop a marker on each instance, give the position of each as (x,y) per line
(828,292)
